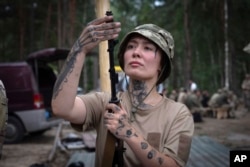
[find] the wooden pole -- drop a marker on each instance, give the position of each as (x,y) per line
(101,7)
(109,149)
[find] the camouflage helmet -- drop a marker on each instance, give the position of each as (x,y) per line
(162,38)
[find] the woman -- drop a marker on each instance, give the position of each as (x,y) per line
(156,131)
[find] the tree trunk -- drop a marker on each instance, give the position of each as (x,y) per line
(21,31)
(59,24)
(64,21)
(188,49)
(47,27)
(72,17)
(227,72)
(31,28)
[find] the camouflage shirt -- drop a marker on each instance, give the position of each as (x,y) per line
(3,115)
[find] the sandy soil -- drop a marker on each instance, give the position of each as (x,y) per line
(233,133)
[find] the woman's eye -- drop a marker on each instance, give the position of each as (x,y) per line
(130,46)
(149,48)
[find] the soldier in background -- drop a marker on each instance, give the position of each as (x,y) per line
(214,100)
(219,104)
(192,85)
(233,103)
(246,91)
(194,105)
(205,98)
(182,95)
(173,95)
(3,115)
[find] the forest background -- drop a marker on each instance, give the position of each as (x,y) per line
(209,35)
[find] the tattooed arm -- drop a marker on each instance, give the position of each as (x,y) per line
(118,124)
(65,103)
(147,154)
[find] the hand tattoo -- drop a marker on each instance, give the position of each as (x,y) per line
(70,62)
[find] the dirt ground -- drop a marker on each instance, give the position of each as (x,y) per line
(234,133)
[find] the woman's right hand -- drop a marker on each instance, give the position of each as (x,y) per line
(96,31)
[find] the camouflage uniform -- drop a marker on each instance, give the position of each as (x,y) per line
(182,95)
(173,95)
(246,91)
(219,103)
(194,105)
(192,102)
(3,115)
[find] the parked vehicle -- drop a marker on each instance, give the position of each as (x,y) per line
(29,85)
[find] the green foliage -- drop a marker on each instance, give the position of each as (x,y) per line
(32,26)
(206,32)
(89,67)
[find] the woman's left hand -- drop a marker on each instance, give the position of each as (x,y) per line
(116,121)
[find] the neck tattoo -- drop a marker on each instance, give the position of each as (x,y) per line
(137,96)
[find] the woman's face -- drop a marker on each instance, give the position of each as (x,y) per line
(142,59)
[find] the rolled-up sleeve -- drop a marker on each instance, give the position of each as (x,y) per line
(95,106)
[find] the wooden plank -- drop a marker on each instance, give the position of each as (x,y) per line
(211,153)
(206,152)
(87,158)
